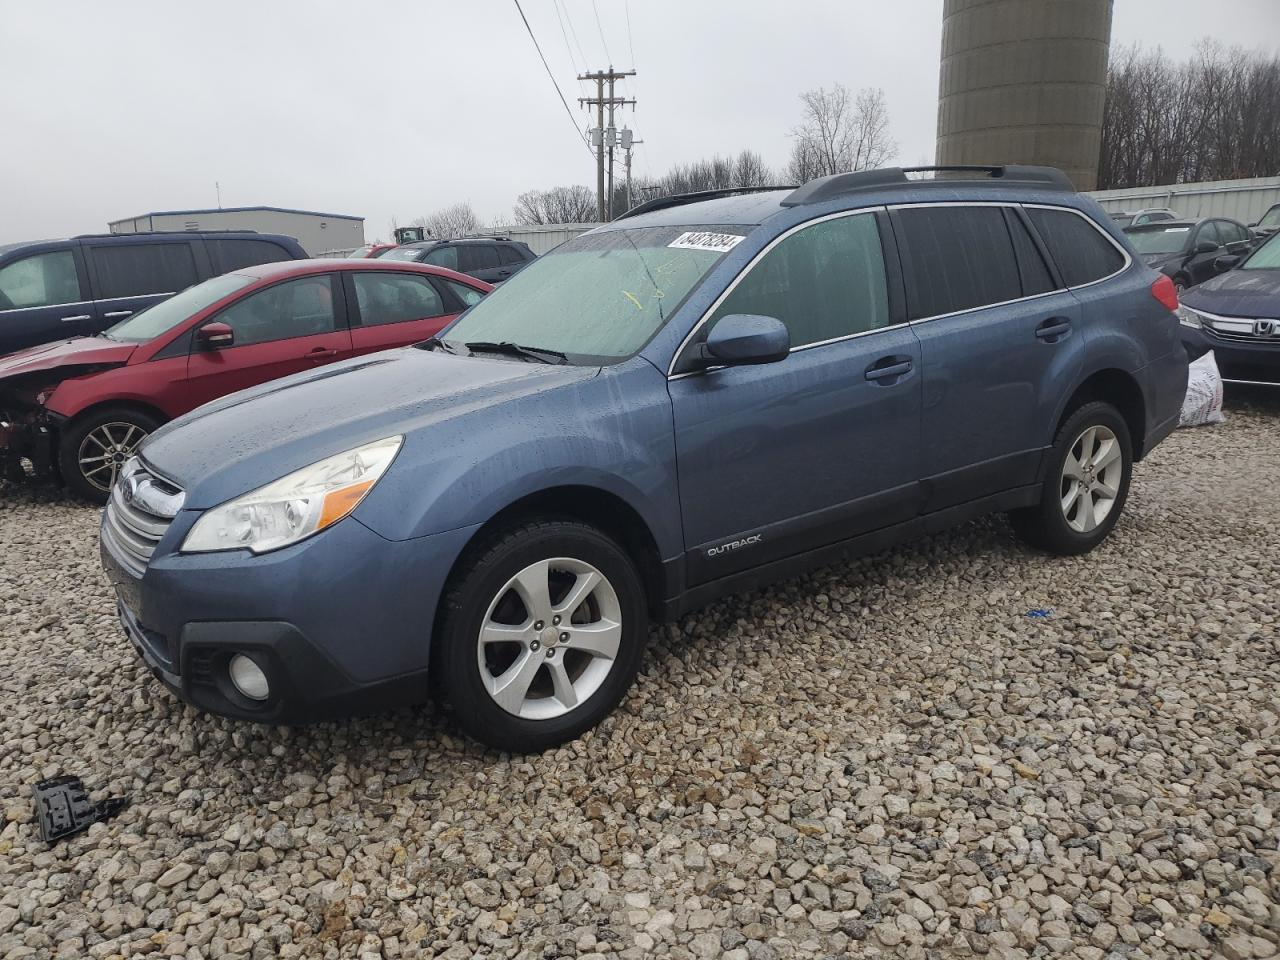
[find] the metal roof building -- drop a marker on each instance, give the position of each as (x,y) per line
(315,231)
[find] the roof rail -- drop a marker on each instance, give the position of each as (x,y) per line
(824,188)
(157,233)
(680,199)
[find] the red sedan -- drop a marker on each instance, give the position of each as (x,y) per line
(79,407)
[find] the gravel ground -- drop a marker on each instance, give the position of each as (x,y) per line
(886,758)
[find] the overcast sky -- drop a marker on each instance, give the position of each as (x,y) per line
(396,107)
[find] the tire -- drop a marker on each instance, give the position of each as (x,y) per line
(93,448)
(566,689)
(1068,528)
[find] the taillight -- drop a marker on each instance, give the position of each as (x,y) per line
(1164,291)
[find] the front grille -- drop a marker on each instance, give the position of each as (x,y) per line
(139,512)
(1242,331)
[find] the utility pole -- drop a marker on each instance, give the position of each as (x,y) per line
(628,143)
(603,136)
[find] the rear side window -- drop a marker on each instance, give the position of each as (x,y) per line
(508,255)
(1035,274)
(39,281)
(395,298)
(135,269)
(957,258)
(234,254)
(823,282)
(1082,253)
(477,256)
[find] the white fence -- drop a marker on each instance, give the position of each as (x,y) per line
(1243,200)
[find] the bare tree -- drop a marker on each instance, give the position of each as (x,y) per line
(456,220)
(575,204)
(840,131)
(1214,117)
(750,170)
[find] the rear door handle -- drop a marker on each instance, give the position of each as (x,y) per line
(118,313)
(1053,329)
(76,318)
(888,368)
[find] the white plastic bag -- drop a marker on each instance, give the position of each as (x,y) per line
(1203,403)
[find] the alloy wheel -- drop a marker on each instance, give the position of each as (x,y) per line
(1091,477)
(549,638)
(105,449)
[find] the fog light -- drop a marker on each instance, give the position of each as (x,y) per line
(248,678)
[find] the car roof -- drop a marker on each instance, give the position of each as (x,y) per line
(304,268)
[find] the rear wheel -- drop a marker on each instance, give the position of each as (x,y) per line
(1086,485)
(94,448)
(542,632)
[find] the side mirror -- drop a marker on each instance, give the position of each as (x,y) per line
(744,338)
(1223,264)
(1206,246)
(215,335)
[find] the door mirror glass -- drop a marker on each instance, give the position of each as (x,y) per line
(744,338)
(1223,264)
(1206,246)
(215,335)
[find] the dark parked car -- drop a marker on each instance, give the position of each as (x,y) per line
(1186,251)
(79,407)
(1269,222)
(492,259)
(1237,316)
(699,397)
(54,289)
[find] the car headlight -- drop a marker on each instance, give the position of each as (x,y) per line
(294,507)
(1188,317)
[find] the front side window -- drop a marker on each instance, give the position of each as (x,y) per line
(823,282)
(1159,240)
(395,298)
(137,269)
(599,297)
(446,257)
(295,308)
(1266,257)
(1209,234)
(42,280)
(957,258)
(1081,251)
(164,316)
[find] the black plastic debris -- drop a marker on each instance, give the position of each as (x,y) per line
(64,809)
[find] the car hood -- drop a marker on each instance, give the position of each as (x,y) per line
(245,440)
(68,354)
(1238,293)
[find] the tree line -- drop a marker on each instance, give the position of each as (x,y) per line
(1215,116)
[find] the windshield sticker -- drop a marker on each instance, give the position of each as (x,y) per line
(717,242)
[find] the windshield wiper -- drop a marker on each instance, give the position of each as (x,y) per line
(507,348)
(434,343)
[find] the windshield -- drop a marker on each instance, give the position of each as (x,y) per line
(1159,239)
(164,316)
(1272,219)
(1266,257)
(402,253)
(599,297)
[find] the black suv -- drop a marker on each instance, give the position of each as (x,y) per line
(492,259)
(53,289)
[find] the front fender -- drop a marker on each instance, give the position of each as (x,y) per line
(612,432)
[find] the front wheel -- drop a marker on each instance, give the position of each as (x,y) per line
(94,449)
(1086,485)
(541,634)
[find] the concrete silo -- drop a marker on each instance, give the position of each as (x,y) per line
(1023,81)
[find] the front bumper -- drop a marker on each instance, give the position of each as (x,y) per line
(340,623)
(1238,361)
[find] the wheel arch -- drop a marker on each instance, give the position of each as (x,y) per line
(1121,390)
(600,508)
(117,404)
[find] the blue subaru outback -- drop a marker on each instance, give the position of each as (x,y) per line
(706,394)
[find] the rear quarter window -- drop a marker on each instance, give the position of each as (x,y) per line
(1080,250)
(234,254)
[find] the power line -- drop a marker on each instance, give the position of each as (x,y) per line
(582,57)
(596,7)
(564,33)
(552,77)
(630,41)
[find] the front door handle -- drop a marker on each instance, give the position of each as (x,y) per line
(321,353)
(888,368)
(78,317)
(1053,329)
(118,313)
